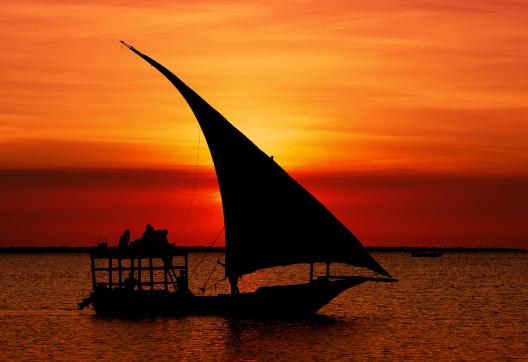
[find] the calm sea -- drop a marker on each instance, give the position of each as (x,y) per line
(463,306)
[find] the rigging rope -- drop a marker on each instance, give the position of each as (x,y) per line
(218,281)
(203,255)
(193,196)
(209,277)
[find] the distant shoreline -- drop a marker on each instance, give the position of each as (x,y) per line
(87,249)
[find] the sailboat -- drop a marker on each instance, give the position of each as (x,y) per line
(270,220)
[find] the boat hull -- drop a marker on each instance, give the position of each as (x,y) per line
(275,301)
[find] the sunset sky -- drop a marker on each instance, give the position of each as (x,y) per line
(408,119)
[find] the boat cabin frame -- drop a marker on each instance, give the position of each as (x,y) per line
(111,266)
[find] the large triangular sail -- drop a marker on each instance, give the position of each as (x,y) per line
(269,218)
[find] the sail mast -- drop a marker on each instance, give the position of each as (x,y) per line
(270,219)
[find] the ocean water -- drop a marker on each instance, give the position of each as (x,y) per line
(461,307)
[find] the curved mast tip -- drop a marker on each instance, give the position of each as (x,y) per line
(127,45)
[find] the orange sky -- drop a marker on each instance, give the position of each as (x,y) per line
(435,87)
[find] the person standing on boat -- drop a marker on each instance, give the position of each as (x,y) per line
(182,282)
(233,280)
(124,239)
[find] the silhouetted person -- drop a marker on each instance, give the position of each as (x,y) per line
(158,239)
(164,237)
(131,282)
(124,239)
(149,235)
(233,280)
(152,240)
(182,282)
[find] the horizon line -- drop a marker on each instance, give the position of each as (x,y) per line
(307,170)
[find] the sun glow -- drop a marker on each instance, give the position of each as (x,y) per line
(338,91)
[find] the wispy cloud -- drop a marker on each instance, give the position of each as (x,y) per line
(428,84)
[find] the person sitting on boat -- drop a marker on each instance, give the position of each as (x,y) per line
(124,239)
(147,241)
(131,282)
(149,235)
(164,240)
(160,239)
(182,282)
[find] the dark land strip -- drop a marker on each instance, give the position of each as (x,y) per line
(87,249)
